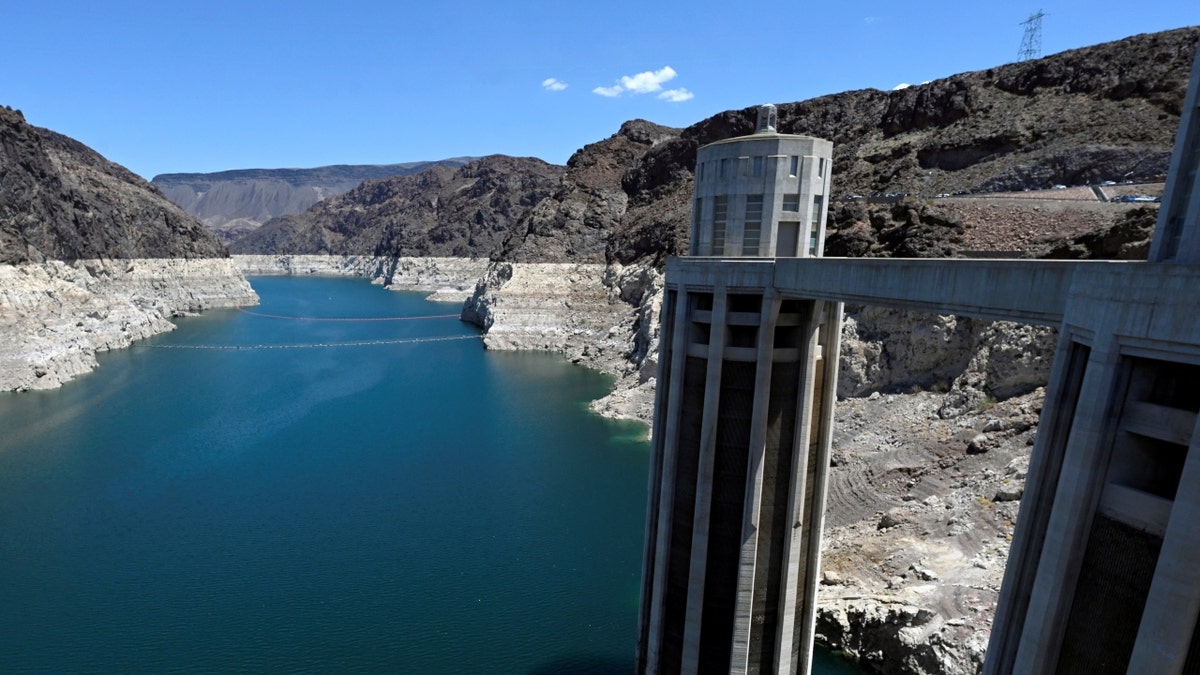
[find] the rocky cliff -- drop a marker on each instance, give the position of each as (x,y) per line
(442,211)
(234,203)
(55,315)
(92,257)
(444,279)
(60,200)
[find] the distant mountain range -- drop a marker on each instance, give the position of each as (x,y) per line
(232,203)
(465,211)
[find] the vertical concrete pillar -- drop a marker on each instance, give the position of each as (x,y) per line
(743,620)
(1041,484)
(704,482)
(654,582)
(794,549)
(806,501)
(1078,492)
(831,340)
(1173,605)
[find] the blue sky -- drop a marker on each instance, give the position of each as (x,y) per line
(185,86)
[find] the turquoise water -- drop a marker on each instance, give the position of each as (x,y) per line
(394,506)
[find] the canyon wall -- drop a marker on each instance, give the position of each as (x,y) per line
(55,316)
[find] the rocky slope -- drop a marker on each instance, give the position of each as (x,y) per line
(442,211)
(1104,112)
(91,258)
(55,316)
(234,203)
(60,200)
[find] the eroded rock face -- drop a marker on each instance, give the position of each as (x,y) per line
(893,350)
(605,317)
(55,316)
(60,200)
(442,211)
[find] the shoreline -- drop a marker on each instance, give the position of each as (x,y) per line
(55,316)
(925,486)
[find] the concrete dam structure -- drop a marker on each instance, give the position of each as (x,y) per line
(1104,571)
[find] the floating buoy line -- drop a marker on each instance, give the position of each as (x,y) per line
(325,345)
(319,345)
(348,318)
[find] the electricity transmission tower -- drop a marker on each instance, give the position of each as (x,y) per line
(1031,42)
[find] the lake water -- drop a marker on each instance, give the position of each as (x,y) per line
(256,493)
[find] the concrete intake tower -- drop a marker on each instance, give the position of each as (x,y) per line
(742,419)
(1103,575)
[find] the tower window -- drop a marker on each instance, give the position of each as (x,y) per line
(757,169)
(791,203)
(752,231)
(794,167)
(814,234)
(720,216)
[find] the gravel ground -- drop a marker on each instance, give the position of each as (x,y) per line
(1021,222)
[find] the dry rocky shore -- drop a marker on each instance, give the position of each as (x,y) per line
(55,316)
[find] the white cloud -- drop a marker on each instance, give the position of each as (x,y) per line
(552,84)
(649,81)
(646,83)
(902,85)
(676,95)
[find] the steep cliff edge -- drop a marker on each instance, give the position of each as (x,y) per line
(60,200)
(55,316)
(92,257)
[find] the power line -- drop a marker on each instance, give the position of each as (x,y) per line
(1031,42)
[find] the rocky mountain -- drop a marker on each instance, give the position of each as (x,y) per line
(1106,112)
(92,258)
(233,203)
(61,200)
(442,211)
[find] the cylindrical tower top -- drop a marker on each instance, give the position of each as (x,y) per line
(767,119)
(761,196)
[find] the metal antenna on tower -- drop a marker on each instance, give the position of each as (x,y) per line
(1031,42)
